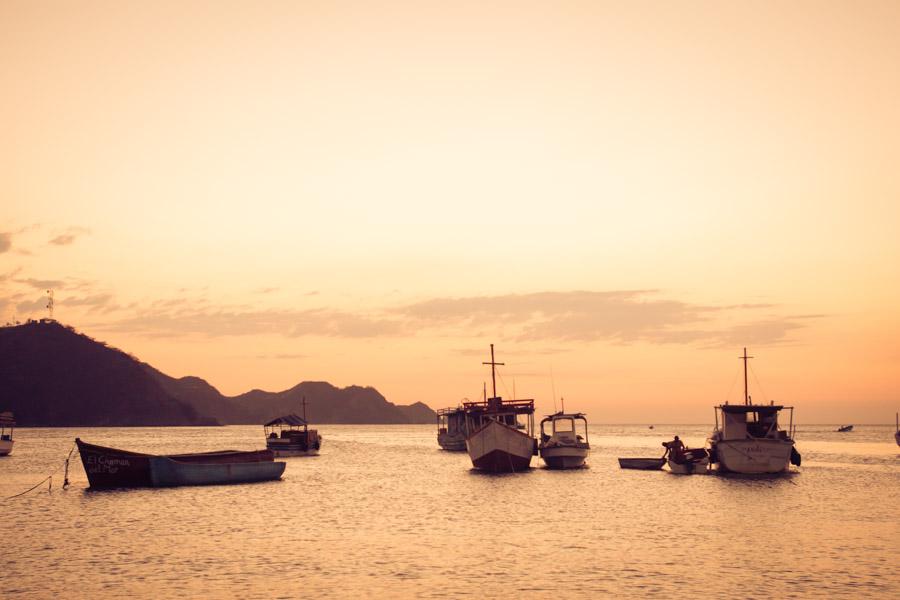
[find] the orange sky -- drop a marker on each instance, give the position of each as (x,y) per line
(624,194)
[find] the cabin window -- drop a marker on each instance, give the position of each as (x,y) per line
(563,426)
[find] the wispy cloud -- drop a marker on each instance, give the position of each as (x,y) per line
(625,316)
(543,319)
(69,236)
(164,320)
(42,284)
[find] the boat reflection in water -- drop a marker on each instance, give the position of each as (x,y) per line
(495,439)
(113,468)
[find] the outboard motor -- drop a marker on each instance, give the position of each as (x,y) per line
(795,457)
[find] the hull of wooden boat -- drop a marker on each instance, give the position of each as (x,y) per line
(755,456)
(113,468)
(451,442)
(499,448)
(165,472)
(698,467)
(897,438)
(297,448)
(6,447)
(284,452)
(565,457)
(645,464)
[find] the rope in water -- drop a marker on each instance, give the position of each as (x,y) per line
(50,478)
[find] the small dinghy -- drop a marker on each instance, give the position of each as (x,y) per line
(845,428)
(644,464)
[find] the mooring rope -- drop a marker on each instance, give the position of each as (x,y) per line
(50,478)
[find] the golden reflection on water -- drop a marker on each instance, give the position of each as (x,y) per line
(383,512)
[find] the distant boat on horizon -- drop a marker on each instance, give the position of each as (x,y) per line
(844,428)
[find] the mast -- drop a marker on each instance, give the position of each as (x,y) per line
(305,423)
(493,364)
(745,358)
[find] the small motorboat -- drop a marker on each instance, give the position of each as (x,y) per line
(565,445)
(690,462)
(112,468)
(845,428)
(7,424)
(644,464)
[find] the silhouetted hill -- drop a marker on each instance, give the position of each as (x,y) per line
(50,375)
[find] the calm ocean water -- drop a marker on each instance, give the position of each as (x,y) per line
(384,512)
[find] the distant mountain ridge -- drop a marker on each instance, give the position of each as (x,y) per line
(51,375)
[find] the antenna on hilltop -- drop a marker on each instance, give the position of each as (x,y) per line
(50,303)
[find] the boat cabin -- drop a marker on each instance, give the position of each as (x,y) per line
(564,428)
(506,412)
(451,421)
(744,421)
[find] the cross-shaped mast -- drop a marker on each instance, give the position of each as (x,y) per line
(745,358)
(493,364)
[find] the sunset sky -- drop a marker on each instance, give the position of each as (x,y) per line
(620,196)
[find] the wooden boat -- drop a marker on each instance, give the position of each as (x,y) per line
(494,440)
(7,424)
(565,445)
(451,424)
(644,464)
(290,435)
(750,440)
(844,428)
(113,468)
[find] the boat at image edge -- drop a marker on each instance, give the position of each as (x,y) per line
(566,446)
(749,440)
(7,424)
(897,432)
(495,440)
(451,424)
(113,468)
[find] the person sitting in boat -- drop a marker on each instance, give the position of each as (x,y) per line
(675,449)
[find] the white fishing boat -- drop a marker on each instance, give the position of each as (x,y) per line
(7,424)
(290,435)
(451,423)
(748,438)
(495,438)
(564,440)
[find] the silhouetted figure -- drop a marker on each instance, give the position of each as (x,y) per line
(675,449)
